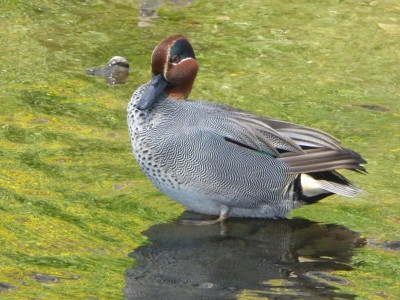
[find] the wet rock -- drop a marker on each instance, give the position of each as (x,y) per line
(374,107)
(42,278)
(116,71)
(392,245)
(382,295)
(118,187)
(147,10)
(6,287)
(40,121)
(205,285)
(388,245)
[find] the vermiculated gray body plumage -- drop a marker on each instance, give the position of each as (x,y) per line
(182,148)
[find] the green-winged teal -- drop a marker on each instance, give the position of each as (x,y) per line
(221,161)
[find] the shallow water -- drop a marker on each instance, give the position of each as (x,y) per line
(73,203)
(278,259)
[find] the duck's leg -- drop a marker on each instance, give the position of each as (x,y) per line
(222,217)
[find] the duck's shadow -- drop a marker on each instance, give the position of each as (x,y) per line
(275,259)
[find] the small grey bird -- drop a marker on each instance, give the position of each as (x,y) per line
(116,71)
(218,160)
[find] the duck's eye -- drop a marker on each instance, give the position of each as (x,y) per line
(175,59)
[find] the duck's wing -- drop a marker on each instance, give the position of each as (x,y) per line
(323,159)
(304,136)
(248,130)
(304,149)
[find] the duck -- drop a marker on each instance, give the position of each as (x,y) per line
(222,161)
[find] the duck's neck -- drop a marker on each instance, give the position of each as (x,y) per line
(179,92)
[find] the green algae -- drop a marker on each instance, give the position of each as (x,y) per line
(74,203)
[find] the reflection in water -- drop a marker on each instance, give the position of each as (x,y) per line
(278,259)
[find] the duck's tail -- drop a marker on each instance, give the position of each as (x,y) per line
(317,177)
(313,187)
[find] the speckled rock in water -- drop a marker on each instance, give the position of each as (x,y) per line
(116,71)
(6,287)
(44,278)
